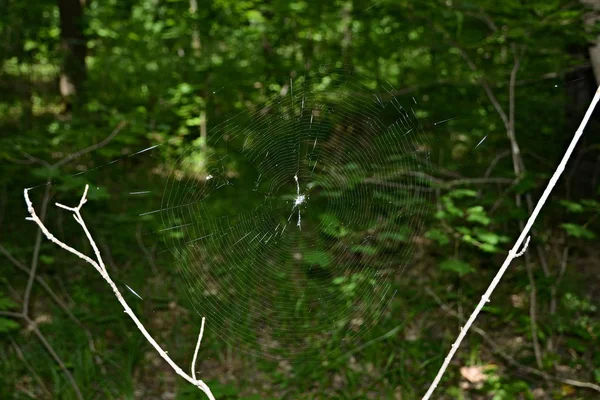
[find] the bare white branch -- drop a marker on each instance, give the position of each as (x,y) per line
(34,217)
(64,207)
(98,264)
(519,254)
(197,348)
(513,253)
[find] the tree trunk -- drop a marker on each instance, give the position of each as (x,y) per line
(196,43)
(346,43)
(590,20)
(74,48)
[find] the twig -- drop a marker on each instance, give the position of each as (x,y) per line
(56,299)
(197,349)
(561,273)
(495,161)
(70,157)
(371,342)
(93,147)
(33,326)
(510,360)
(514,251)
(28,366)
(42,283)
(98,264)
(554,290)
(55,356)
(519,169)
(147,253)
(518,165)
(24,315)
(533,312)
(36,251)
(438,183)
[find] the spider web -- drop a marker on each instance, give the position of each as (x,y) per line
(290,224)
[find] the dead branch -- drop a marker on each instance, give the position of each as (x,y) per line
(28,366)
(36,252)
(514,252)
(99,266)
(32,325)
(496,349)
(62,305)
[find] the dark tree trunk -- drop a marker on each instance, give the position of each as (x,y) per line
(74,48)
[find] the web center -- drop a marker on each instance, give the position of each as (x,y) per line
(299,200)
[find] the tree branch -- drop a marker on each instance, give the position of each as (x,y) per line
(98,264)
(33,326)
(93,147)
(514,251)
(510,360)
(36,251)
(37,378)
(55,298)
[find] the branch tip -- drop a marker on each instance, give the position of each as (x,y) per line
(83,198)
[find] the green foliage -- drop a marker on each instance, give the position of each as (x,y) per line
(6,324)
(457,266)
(438,235)
(331,225)
(317,257)
(578,231)
(175,74)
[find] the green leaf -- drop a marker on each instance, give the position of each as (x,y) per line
(437,235)
(578,231)
(398,236)
(7,325)
(478,214)
(571,206)
(451,208)
(367,250)
(458,266)
(592,204)
(460,193)
(490,248)
(487,237)
(47,259)
(440,214)
(255,16)
(464,230)
(339,280)
(317,257)
(6,303)
(331,225)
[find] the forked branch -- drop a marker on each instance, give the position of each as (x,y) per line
(98,264)
(514,252)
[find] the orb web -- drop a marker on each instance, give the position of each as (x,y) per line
(290,224)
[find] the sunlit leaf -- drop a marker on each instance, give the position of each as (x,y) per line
(457,266)
(578,231)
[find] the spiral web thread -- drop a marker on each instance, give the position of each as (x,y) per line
(324,214)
